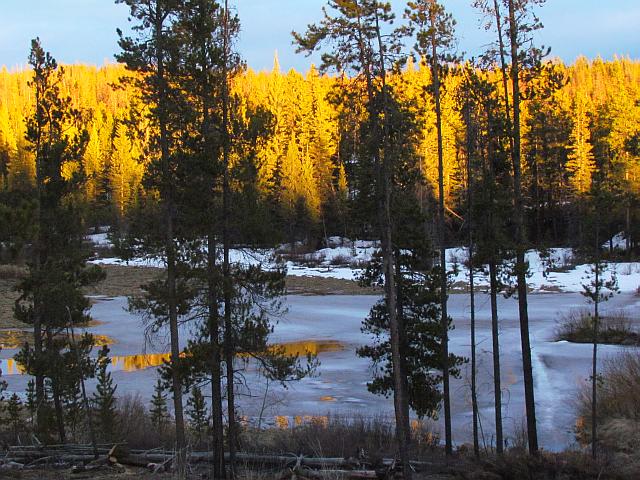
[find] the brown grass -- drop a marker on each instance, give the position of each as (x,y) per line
(616,328)
(338,436)
(124,280)
(327,286)
(618,400)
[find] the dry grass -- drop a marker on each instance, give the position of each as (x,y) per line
(124,280)
(615,328)
(569,465)
(618,404)
(326,286)
(338,436)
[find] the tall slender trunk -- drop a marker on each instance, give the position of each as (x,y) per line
(435,72)
(504,70)
(213,317)
(170,247)
(226,240)
(385,168)
(594,365)
(176,383)
(495,337)
(39,258)
(493,279)
(55,393)
(521,266)
(85,399)
(472,294)
(215,367)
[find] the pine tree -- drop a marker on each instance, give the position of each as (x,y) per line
(104,399)
(522,21)
(599,289)
(159,412)
(581,164)
(355,34)
(51,299)
(154,55)
(434,40)
(14,409)
(198,414)
(31,402)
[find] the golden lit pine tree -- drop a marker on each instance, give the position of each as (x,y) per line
(581,164)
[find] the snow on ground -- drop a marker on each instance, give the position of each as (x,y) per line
(343,259)
(99,239)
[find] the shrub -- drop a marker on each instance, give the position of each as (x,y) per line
(336,436)
(135,426)
(615,328)
(12,272)
(340,260)
(618,405)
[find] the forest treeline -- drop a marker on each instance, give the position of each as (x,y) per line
(577,120)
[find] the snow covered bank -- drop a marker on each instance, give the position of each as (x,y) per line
(344,259)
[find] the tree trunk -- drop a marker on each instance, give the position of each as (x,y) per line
(384,187)
(472,298)
(435,72)
(495,336)
(594,365)
(55,391)
(170,247)
(229,336)
(216,373)
(521,266)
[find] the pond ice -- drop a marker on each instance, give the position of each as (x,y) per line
(560,368)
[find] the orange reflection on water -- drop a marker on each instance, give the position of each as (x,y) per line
(133,363)
(10,367)
(142,361)
(314,347)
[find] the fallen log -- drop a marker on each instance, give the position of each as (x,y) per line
(139,458)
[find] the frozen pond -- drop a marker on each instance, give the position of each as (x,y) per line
(331,326)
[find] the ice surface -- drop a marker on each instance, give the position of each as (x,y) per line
(560,368)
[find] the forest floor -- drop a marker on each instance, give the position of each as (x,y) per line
(513,466)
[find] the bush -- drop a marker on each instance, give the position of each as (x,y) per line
(340,260)
(336,436)
(615,328)
(134,425)
(12,272)
(618,405)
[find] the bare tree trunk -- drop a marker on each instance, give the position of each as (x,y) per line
(401,400)
(435,72)
(176,383)
(521,266)
(594,366)
(472,294)
(170,247)
(228,304)
(216,372)
(39,257)
(495,336)
(493,278)
(55,391)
